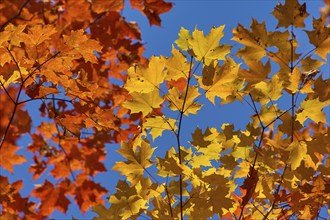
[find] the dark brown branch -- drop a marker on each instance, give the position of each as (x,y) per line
(178,135)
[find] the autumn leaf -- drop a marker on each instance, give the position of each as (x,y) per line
(81,45)
(207,48)
(38,34)
(184,101)
(311,109)
(152,9)
(184,37)
(291,13)
(249,185)
(15,77)
(145,80)
(297,151)
(254,40)
(137,160)
(88,193)
(9,158)
(52,197)
(319,37)
(225,82)
(159,124)
(143,103)
(257,72)
(177,66)
(265,92)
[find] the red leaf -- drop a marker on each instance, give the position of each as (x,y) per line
(249,185)
(52,197)
(88,193)
(152,9)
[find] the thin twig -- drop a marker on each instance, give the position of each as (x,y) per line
(178,135)
(4,88)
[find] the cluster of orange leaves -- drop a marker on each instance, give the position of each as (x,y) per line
(68,49)
(65,54)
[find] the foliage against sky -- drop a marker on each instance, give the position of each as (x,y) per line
(65,53)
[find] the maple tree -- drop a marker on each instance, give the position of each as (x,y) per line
(65,54)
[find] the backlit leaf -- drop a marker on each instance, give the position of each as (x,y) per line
(207,48)
(144,102)
(297,151)
(291,13)
(311,109)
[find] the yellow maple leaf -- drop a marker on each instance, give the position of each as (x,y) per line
(311,109)
(177,65)
(144,102)
(291,13)
(225,82)
(267,115)
(207,49)
(177,99)
(14,77)
(254,40)
(144,80)
(320,37)
(169,165)
(158,124)
(264,92)
(257,71)
(137,160)
(298,151)
(308,64)
(294,79)
(184,37)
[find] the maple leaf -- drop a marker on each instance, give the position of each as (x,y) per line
(295,80)
(225,82)
(52,197)
(255,41)
(145,80)
(184,37)
(177,66)
(308,64)
(169,166)
(249,185)
(311,109)
(88,193)
(9,158)
(291,13)
(137,160)
(159,124)
(207,49)
(144,102)
(257,72)
(265,92)
(81,45)
(152,9)
(15,77)
(178,99)
(298,151)
(319,37)
(13,34)
(38,34)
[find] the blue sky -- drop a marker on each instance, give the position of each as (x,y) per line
(158,41)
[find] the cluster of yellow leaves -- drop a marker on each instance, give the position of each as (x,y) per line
(216,159)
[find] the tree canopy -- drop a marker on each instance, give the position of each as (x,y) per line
(83,62)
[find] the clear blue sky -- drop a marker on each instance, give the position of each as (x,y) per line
(158,41)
